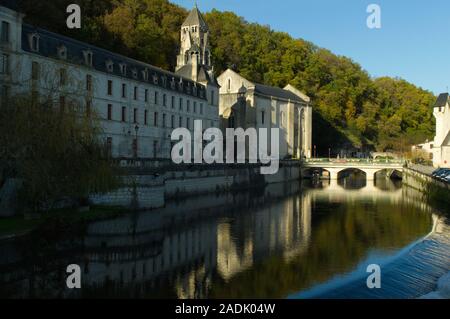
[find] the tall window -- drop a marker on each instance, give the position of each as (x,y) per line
(180,121)
(201,108)
(88,108)
(135,115)
(263,114)
(172,121)
(181,104)
(110,87)
(195,107)
(135,92)
(155,149)
(164,100)
(188,120)
(145,117)
(5,32)
(110,110)
(155,119)
(164,119)
(62,77)
(4,64)
(62,103)
(124,113)
(173,102)
(146,95)
(35,71)
(4,95)
(89,83)
(156,98)
(124,90)
(188,106)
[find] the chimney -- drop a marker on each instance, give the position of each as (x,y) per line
(194,63)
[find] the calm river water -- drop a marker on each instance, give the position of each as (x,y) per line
(284,241)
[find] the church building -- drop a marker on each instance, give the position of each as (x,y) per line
(245,104)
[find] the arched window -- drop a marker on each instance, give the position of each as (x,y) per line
(34,42)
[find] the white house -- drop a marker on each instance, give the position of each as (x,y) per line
(137,104)
(441,144)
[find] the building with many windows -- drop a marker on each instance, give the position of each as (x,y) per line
(137,104)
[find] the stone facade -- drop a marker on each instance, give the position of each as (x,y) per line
(441,144)
(244,104)
(137,104)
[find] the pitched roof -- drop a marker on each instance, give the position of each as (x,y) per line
(202,74)
(442,100)
(49,42)
(195,18)
(277,92)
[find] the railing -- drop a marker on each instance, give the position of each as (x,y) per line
(346,161)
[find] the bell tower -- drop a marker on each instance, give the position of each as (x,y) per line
(194,46)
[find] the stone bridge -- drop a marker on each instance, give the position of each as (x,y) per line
(368,166)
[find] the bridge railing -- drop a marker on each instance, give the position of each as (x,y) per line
(353,161)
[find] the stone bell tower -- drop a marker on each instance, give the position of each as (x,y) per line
(194,47)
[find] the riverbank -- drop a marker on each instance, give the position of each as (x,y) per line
(12,227)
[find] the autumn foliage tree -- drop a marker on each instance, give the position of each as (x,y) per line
(369,113)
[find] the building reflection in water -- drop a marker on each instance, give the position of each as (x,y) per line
(183,250)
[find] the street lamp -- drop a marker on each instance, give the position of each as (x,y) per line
(136,129)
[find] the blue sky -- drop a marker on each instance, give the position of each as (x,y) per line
(413,43)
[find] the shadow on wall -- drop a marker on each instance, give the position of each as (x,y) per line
(325,136)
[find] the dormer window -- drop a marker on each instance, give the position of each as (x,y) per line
(135,73)
(172,83)
(164,81)
(34,42)
(195,89)
(181,85)
(145,74)
(110,66)
(155,79)
(189,88)
(88,57)
(123,69)
(62,52)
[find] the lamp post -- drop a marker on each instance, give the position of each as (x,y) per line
(136,129)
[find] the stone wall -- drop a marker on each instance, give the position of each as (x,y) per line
(150,190)
(420,181)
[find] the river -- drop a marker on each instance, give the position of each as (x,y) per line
(295,240)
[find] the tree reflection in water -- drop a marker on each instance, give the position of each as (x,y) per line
(266,244)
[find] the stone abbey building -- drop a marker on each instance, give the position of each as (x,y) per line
(137,104)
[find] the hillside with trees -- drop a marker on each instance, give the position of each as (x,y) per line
(351,108)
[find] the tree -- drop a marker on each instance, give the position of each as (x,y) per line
(55,152)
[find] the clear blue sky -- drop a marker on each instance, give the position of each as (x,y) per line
(413,43)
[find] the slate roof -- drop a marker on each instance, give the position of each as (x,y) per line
(442,100)
(195,18)
(277,92)
(202,75)
(49,42)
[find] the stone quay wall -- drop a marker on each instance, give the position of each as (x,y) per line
(149,185)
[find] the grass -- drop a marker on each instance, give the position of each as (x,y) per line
(18,225)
